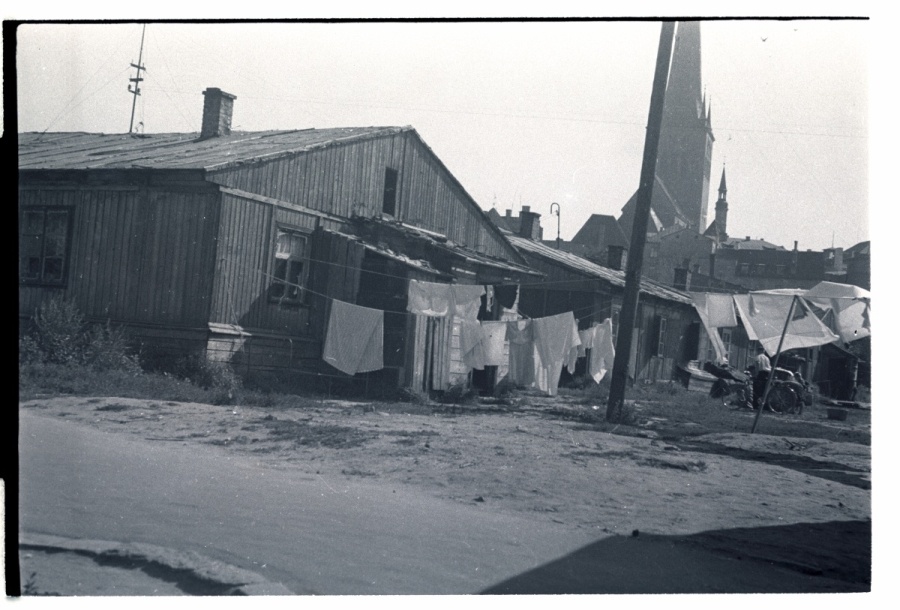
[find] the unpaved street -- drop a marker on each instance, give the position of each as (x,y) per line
(506,493)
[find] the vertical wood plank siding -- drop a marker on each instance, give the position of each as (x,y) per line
(245,262)
(134,256)
(348,178)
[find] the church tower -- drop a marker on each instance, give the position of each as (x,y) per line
(685,147)
(718,229)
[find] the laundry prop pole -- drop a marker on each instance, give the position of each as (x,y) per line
(765,395)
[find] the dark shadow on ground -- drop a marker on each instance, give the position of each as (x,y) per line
(184,579)
(832,471)
(832,557)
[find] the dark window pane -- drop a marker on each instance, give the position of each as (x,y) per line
(32,223)
(31,268)
(390,192)
(280,273)
(53,268)
(57,223)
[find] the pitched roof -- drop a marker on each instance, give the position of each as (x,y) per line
(857,250)
(78,150)
(510,224)
(601,230)
(586,267)
(663,208)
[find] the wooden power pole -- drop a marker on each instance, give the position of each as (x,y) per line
(639,228)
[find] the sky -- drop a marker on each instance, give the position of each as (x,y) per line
(522,113)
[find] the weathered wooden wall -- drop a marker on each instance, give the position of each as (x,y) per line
(136,255)
(348,179)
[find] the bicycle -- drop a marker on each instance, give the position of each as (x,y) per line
(789,393)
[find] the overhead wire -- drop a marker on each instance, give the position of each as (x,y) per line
(68,107)
(165,63)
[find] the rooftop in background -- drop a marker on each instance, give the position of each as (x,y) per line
(586,267)
(601,229)
(745,243)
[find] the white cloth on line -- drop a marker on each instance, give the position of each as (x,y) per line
(493,337)
(471,344)
(553,340)
(354,339)
(603,352)
(429,298)
(438,299)
(521,352)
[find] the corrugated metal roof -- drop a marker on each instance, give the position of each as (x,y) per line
(76,150)
(586,267)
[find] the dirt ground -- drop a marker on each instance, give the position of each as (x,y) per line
(734,491)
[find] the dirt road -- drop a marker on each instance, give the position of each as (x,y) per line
(722,491)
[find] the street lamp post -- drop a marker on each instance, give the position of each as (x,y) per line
(557,221)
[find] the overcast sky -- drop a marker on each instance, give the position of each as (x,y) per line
(522,113)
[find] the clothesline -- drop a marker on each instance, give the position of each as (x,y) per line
(325,296)
(402,277)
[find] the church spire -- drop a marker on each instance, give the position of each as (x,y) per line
(686,138)
(722,188)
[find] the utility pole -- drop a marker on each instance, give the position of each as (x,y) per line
(137,80)
(628,314)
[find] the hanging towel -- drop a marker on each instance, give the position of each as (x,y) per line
(471,344)
(553,340)
(494,337)
(572,357)
(354,339)
(603,353)
(466,300)
(429,298)
(586,336)
(521,352)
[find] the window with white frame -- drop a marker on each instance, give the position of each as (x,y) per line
(289,270)
(44,245)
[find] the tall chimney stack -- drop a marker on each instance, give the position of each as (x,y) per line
(217,108)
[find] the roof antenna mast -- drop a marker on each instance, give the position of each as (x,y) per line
(136,80)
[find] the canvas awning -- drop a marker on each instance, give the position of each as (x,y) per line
(846,308)
(840,312)
(764,316)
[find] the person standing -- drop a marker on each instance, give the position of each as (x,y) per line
(763,370)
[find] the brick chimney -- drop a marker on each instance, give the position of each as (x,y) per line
(530,223)
(217,107)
